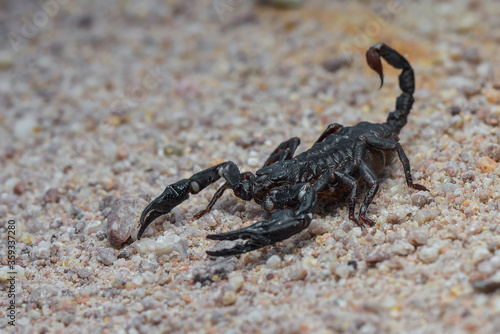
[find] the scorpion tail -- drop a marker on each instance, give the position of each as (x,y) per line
(397,119)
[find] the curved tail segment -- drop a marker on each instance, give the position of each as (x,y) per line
(397,119)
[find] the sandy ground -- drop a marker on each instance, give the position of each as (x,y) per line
(109,103)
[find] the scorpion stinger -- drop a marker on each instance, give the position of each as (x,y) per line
(334,167)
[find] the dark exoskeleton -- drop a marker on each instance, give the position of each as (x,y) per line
(333,167)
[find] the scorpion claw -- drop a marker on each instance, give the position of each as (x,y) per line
(171,197)
(373,60)
(281,226)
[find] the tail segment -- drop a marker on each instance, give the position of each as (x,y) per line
(404,102)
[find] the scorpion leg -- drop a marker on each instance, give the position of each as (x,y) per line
(284,151)
(350,182)
(387,144)
(369,176)
(178,192)
(330,130)
(373,181)
(280,226)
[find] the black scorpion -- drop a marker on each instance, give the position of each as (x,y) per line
(333,167)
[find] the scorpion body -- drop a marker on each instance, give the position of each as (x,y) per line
(340,160)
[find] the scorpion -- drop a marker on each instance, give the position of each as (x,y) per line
(339,161)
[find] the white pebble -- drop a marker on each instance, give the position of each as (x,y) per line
(274,262)
(428,254)
(24,127)
(480,254)
(402,247)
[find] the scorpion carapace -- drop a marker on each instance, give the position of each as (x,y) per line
(340,159)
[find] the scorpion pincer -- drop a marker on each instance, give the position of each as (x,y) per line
(341,159)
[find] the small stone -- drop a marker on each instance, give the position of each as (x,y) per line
(428,254)
(482,195)
(83,272)
(471,55)
(147,265)
(402,247)
(24,127)
(122,221)
(229,298)
(468,176)
(379,237)
(298,274)
(393,218)
(218,269)
(419,200)
(344,270)
(19,188)
(122,152)
(475,227)
(480,254)
(453,110)
(45,295)
(333,65)
(493,152)
(6,60)
(486,164)
(274,262)
(94,226)
(122,276)
(107,256)
(426,215)
(449,187)
(236,282)
(417,237)
(318,227)
(170,242)
(376,256)
(52,196)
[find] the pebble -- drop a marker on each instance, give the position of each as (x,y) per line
(24,127)
(216,270)
(486,164)
(449,187)
(122,152)
(376,256)
(318,227)
(417,237)
(481,254)
(402,247)
(482,195)
(274,262)
(6,60)
(52,196)
(44,295)
(147,265)
(229,298)
(298,274)
(471,55)
(236,282)
(428,254)
(426,215)
(19,188)
(493,152)
(169,242)
(107,256)
(122,221)
(344,270)
(83,272)
(379,237)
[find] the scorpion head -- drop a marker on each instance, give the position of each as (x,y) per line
(246,188)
